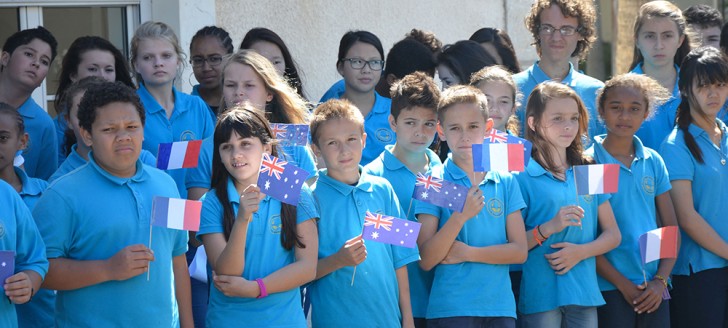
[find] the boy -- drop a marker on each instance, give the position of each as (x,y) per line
(413,117)
(706,22)
(471,250)
(96,223)
(376,294)
(24,63)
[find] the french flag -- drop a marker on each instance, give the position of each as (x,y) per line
(596,179)
(659,244)
(178,155)
(498,157)
(175,213)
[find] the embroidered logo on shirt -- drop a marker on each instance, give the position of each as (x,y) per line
(587,198)
(648,185)
(384,135)
(495,207)
(275,224)
(2,229)
(187,135)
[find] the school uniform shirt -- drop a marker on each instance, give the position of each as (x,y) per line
(190,120)
(264,255)
(654,130)
(19,234)
(41,155)
(471,289)
(59,122)
(90,214)
(634,207)
(403,181)
(213,110)
(708,186)
(373,299)
(541,288)
(74,161)
(584,85)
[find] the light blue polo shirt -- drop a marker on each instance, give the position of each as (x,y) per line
(639,184)
(655,129)
(90,214)
(190,120)
(403,181)
(709,194)
(61,125)
(196,92)
(264,255)
(74,161)
(18,233)
(585,86)
(471,289)
(41,155)
(373,300)
(335,91)
(541,288)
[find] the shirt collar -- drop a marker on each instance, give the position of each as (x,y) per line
(152,106)
(343,188)
(139,176)
(697,131)
(25,108)
(31,189)
(379,109)
(601,152)
(540,75)
(393,163)
(675,90)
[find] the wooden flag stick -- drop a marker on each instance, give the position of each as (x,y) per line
(577,197)
(149,266)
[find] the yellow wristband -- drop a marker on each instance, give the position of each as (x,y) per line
(662,279)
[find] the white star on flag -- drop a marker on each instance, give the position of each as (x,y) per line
(267,184)
(424,195)
(375,235)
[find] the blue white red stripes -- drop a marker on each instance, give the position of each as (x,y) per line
(596,179)
(178,155)
(175,213)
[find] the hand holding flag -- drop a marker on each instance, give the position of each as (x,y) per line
(178,155)
(281,180)
(7,265)
(390,230)
(439,192)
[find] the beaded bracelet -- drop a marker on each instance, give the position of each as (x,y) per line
(662,279)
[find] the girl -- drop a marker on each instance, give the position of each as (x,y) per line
(261,249)
(170,115)
(272,47)
(695,154)
(660,46)
(624,103)
(87,56)
(457,62)
(498,45)
(559,283)
(503,97)
(207,49)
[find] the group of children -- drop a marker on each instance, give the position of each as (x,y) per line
(525,250)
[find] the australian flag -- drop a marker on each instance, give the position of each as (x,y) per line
(439,192)
(495,136)
(290,134)
(281,180)
(7,265)
(390,230)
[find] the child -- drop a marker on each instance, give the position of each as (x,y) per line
(170,115)
(97,236)
(261,249)
(705,22)
(208,48)
(624,103)
(39,311)
(503,97)
(24,63)
(268,44)
(457,62)
(498,45)
(377,293)
(695,154)
(413,118)
(559,284)
(470,251)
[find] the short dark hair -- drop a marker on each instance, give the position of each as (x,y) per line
(24,37)
(416,89)
(409,56)
(464,58)
(216,32)
(100,95)
(703,16)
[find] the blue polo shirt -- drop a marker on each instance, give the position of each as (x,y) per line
(403,181)
(709,195)
(654,130)
(373,300)
(541,288)
(585,86)
(190,120)
(264,255)
(90,214)
(470,288)
(61,125)
(18,233)
(196,92)
(639,184)
(74,161)
(41,155)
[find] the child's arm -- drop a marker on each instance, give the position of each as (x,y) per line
(405,306)
(182,291)
(20,287)
(228,257)
(570,254)
(513,252)
(692,222)
(629,290)
(351,253)
(567,216)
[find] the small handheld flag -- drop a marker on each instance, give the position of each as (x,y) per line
(390,230)
(7,265)
(498,157)
(178,155)
(658,244)
(495,136)
(290,134)
(596,179)
(175,213)
(281,180)
(439,192)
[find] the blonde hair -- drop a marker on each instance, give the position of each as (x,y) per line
(155,30)
(462,94)
(500,74)
(331,110)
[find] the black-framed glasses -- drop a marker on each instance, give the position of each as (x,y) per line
(358,63)
(213,60)
(565,30)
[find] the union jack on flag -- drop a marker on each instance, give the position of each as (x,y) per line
(272,165)
(449,195)
(279,130)
(378,221)
(390,230)
(496,136)
(428,182)
(281,180)
(290,134)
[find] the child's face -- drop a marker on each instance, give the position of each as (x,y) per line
(340,144)
(624,111)
(447,78)
(462,126)
(242,84)
(708,37)
(28,65)
(242,158)
(72,117)
(710,97)
(96,63)
(362,80)
(415,128)
(116,138)
(271,52)
(156,61)
(208,49)
(10,140)
(500,102)
(658,40)
(559,122)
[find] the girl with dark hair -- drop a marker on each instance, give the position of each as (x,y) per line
(272,47)
(459,61)
(208,48)
(498,45)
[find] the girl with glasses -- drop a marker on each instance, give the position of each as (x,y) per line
(208,48)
